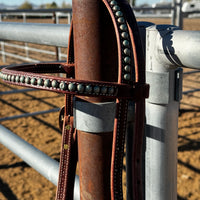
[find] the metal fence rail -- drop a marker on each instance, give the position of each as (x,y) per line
(54,14)
(174,12)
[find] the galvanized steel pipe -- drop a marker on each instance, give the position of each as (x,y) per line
(161,115)
(46,34)
(176,47)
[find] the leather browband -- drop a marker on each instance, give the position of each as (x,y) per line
(30,75)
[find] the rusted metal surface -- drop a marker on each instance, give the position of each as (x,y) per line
(94,165)
(94,42)
(94,61)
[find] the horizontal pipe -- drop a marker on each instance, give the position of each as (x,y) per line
(177,47)
(29,114)
(37,10)
(17,91)
(19,57)
(38,160)
(29,48)
(170,48)
(38,33)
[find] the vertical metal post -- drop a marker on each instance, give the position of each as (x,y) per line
(179,19)
(94,61)
(26,44)
(173,13)
(69,18)
(2,45)
(161,117)
(57,49)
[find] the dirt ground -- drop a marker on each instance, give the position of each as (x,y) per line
(18,181)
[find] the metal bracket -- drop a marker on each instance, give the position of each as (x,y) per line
(159,87)
(178,84)
(94,117)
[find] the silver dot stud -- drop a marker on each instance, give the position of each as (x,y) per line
(127,68)
(127,77)
(121,20)
(22,79)
(113,3)
(5,76)
(88,88)
(119,14)
(33,81)
(40,82)
(12,78)
(47,83)
(104,90)
(96,89)
(9,77)
(80,88)
(111,90)
(72,87)
(54,83)
(124,35)
(116,8)
(17,78)
(127,60)
(123,27)
(127,51)
(27,80)
(126,43)
(63,86)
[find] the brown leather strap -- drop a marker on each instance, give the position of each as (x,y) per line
(68,160)
(29,76)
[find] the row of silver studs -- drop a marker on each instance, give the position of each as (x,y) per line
(79,88)
(125,39)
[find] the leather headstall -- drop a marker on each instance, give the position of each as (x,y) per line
(130,86)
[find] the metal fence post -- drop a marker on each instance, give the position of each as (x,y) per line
(179,14)
(173,13)
(94,136)
(161,116)
(26,44)
(2,46)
